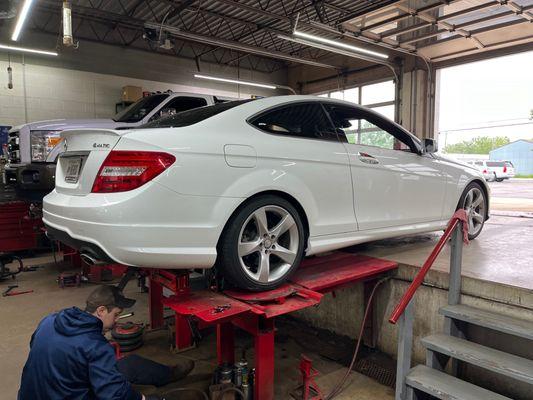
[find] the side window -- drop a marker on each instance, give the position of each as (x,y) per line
(359,129)
(480,163)
(300,120)
(177,105)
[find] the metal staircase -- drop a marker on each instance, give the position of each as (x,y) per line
(433,380)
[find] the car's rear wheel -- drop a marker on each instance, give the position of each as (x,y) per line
(499,179)
(262,245)
(474,202)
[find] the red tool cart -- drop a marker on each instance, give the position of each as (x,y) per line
(255,312)
(20,226)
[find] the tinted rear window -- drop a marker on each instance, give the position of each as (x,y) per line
(495,164)
(194,116)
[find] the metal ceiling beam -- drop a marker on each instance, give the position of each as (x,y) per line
(489,47)
(179,8)
(255,10)
(401,16)
(229,44)
(466,24)
(484,30)
(433,20)
(134,23)
(519,10)
(446,17)
(376,6)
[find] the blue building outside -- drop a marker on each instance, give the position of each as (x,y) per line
(520,153)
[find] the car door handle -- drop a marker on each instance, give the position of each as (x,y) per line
(367,158)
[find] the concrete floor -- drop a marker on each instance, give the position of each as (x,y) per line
(21,314)
(501,253)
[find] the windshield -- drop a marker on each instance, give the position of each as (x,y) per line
(140,109)
(495,164)
(193,116)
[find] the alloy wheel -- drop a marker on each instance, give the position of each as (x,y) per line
(474,205)
(268,243)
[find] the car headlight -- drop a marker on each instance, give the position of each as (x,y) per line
(42,142)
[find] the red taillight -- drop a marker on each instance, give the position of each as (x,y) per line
(127,170)
(504,168)
(485,171)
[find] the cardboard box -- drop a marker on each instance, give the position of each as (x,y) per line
(131,93)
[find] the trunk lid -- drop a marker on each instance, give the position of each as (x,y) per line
(85,151)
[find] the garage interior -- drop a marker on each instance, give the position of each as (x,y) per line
(385,55)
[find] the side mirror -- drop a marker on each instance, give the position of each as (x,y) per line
(429,145)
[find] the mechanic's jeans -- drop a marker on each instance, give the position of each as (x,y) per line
(142,371)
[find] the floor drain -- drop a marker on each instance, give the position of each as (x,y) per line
(383,375)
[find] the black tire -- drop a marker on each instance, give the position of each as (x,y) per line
(129,342)
(229,261)
(124,336)
(125,349)
(462,201)
(499,179)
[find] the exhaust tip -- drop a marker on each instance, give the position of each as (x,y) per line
(90,259)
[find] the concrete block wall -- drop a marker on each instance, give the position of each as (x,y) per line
(43,92)
(86,83)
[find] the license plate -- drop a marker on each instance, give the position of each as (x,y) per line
(73,169)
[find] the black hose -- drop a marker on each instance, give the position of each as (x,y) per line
(339,387)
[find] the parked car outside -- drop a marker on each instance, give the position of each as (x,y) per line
(498,170)
(33,150)
(252,187)
(490,176)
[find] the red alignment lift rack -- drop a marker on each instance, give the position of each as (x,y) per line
(255,312)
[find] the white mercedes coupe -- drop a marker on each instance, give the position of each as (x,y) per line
(252,186)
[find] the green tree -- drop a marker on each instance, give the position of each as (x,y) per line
(479,145)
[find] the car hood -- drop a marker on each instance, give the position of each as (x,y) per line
(451,160)
(62,124)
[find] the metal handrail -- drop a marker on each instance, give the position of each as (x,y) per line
(459,216)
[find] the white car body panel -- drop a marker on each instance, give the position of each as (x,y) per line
(176,220)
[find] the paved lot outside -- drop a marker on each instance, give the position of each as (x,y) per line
(512,195)
(513,188)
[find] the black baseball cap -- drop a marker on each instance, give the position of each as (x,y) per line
(109,296)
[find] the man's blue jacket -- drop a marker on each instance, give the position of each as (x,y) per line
(71,359)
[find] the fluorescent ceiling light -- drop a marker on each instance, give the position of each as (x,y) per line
(25,50)
(214,78)
(336,43)
(21,19)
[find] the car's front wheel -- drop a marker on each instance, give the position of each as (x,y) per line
(262,245)
(474,202)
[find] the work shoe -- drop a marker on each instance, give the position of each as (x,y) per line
(181,370)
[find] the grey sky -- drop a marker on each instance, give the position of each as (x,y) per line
(491,92)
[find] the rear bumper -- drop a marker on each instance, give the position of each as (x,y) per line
(151,227)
